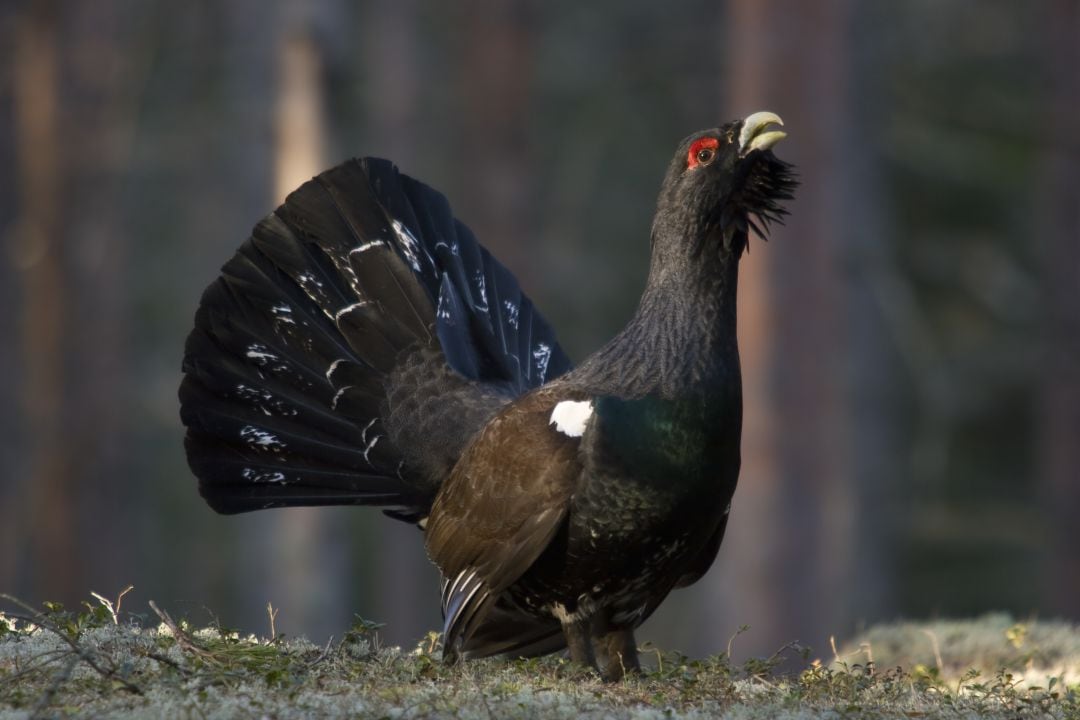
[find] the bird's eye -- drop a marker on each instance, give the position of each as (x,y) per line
(702,152)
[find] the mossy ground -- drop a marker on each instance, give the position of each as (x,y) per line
(96,663)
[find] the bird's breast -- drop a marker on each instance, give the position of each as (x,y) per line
(662,452)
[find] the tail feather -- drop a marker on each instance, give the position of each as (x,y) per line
(376,304)
(360,288)
(268,422)
(269,484)
(272,398)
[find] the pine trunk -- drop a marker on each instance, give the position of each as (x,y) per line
(797,466)
(1059,397)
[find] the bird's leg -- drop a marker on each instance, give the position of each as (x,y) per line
(618,653)
(579,641)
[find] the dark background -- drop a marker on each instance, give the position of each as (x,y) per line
(911,339)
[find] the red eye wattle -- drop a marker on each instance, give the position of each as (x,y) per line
(702,152)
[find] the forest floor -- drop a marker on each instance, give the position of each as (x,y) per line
(95,663)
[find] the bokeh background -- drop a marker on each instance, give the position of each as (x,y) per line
(911,338)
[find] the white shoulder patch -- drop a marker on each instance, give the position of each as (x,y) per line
(570,416)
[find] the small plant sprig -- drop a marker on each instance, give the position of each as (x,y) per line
(69,627)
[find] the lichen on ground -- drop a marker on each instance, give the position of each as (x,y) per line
(96,662)
(1030,651)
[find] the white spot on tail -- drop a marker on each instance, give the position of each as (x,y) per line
(363,433)
(263,400)
(332,368)
(409,246)
(347,309)
(481,289)
(307,280)
(262,357)
(260,354)
(367,246)
(443,312)
(511,313)
(368,449)
(570,417)
(542,355)
(283,313)
(256,436)
(263,476)
(453,248)
(313,287)
(337,396)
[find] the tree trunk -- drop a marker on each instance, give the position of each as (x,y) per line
(45,524)
(72,251)
(785,570)
(495,84)
(12,424)
(1059,228)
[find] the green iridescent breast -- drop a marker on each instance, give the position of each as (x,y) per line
(657,440)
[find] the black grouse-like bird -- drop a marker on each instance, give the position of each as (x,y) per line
(362,348)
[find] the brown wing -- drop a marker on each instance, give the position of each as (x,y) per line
(499,509)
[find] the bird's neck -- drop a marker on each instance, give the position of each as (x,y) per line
(681,341)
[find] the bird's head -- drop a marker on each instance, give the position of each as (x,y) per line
(723,183)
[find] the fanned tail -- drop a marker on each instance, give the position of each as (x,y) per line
(351,347)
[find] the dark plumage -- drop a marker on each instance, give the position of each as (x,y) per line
(363,348)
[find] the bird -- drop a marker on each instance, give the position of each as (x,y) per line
(363,348)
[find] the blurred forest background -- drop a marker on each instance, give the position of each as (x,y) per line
(911,338)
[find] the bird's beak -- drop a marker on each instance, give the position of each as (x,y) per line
(760,132)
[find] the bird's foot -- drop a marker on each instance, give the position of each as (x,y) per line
(618,652)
